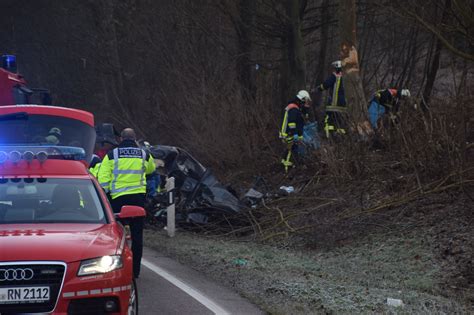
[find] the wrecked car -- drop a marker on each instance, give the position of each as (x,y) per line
(199,197)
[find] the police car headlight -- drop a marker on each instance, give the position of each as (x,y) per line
(102,264)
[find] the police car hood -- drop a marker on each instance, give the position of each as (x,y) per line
(61,242)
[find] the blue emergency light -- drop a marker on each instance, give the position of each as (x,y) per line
(16,154)
(9,63)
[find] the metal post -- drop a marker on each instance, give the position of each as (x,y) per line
(170,211)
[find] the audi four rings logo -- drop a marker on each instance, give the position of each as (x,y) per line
(16,274)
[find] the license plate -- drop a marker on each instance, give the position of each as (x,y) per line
(15,295)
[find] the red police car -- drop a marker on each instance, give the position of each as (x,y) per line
(62,251)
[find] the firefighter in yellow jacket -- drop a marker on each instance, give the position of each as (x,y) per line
(291,131)
(335,120)
(122,174)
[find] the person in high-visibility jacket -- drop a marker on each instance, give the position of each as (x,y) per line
(291,131)
(122,174)
(336,109)
(94,165)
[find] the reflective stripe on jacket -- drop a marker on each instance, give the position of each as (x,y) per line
(123,170)
(335,89)
(335,84)
(288,125)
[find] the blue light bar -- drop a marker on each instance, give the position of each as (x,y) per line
(9,63)
(16,154)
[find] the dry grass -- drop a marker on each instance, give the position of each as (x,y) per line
(352,279)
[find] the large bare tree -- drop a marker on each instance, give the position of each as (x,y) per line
(353,84)
(296,50)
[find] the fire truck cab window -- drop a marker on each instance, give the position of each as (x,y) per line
(21,95)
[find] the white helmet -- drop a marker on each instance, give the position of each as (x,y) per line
(337,64)
(405,93)
(55,131)
(303,95)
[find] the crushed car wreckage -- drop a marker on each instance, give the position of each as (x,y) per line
(199,197)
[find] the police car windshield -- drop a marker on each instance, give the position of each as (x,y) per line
(49,200)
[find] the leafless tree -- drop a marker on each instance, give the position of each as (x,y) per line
(353,84)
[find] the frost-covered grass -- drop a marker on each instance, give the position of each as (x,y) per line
(353,279)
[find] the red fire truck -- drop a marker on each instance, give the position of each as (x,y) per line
(14,89)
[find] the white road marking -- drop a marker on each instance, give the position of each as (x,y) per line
(216,309)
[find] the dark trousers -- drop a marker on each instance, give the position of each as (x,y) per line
(335,123)
(136,226)
(295,151)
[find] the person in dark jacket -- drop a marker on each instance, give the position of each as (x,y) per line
(291,131)
(336,110)
(385,102)
(153,180)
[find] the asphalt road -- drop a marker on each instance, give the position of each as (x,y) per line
(167,287)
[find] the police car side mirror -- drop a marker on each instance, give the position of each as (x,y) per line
(131,212)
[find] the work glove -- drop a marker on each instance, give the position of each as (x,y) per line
(306,118)
(300,142)
(297,140)
(394,118)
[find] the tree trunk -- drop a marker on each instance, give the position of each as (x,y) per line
(354,91)
(113,79)
(431,76)
(322,62)
(295,48)
(244,62)
(284,76)
(434,66)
